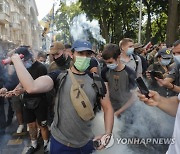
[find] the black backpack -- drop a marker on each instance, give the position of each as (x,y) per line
(136,61)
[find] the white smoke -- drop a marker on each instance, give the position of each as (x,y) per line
(81,26)
(147,122)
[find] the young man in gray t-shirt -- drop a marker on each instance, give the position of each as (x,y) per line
(120,79)
(70,133)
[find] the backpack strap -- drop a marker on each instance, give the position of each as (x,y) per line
(61,78)
(100,90)
(136,61)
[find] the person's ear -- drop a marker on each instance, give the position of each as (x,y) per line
(121,49)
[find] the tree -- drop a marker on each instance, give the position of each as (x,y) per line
(173,21)
(63,18)
(117,18)
(155,9)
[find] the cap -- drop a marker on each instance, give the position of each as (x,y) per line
(165,53)
(55,47)
(24,50)
(138,45)
(82,45)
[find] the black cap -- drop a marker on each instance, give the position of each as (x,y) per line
(165,53)
(24,50)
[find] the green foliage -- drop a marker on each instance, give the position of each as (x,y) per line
(117,19)
(63,18)
(159,28)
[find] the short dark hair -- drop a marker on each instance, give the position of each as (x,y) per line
(42,54)
(111,51)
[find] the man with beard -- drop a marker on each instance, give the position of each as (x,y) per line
(61,62)
(61,59)
(70,133)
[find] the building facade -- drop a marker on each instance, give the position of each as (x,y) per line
(19,25)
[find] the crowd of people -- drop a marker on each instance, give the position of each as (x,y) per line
(57,94)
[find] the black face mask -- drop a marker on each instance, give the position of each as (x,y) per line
(60,61)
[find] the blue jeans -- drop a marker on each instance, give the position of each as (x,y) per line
(58,148)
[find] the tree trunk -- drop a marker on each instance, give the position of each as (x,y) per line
(148,26)
(104,28)
(172,23)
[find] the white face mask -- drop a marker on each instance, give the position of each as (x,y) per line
(112,66)
(130,51)
(42,62)
(177,59)
(165,62)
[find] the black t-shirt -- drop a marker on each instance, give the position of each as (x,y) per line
(1,76)
(93,63)
(36,70)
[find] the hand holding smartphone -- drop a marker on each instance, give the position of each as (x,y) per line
(142,87)
(156,74)
(96,143)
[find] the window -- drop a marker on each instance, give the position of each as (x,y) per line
(15,17)
(4,7)
(1,6)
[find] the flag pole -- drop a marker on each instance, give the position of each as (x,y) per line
(52,25)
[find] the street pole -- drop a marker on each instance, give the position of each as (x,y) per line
(140,21)
(52,25)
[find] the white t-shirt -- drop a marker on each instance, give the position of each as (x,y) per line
(175,148)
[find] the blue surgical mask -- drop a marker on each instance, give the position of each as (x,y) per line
(112,66)
(28,63)
(130,51)
(177,60)
(165,62)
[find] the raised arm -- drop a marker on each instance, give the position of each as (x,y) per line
(40,85)
(168,105)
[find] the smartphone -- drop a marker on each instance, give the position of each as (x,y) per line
(142,87)
(157,74)
(96,143)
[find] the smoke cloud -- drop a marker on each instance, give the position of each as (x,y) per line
(142,121)
(82,28)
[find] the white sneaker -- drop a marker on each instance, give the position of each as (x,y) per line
(20,129)
(38,132)
(27,128)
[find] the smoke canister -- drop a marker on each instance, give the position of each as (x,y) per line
(8,60)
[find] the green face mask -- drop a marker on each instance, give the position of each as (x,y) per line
(82,63)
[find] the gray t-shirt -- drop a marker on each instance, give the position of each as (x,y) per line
(67,126)
(120,83)
(175,75)
(132,65)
